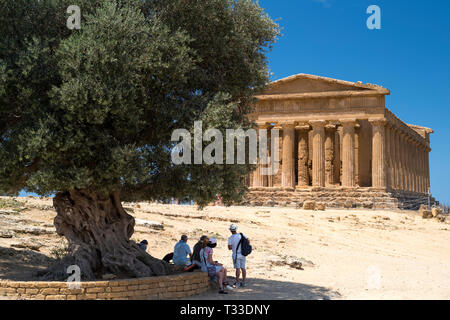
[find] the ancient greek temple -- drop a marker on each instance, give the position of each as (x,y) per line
(341,145)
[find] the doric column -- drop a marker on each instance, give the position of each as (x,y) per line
(378,153)
(276,178)
(409,164)
(400,175)
(405,162)
(357,176)
(427,167)
(424,170)
(288,168)
(318,163)
(398,168)
(392,161)
(394,155)
(420,166)
(416,166)
(348,152)
(303,152)
(330,131)
(250,179)
(337,155)
(258,178)
(421,170)
(268,179)
(388,155)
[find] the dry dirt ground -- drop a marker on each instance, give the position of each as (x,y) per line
(357,254)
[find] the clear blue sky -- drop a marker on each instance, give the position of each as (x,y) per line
(410,55)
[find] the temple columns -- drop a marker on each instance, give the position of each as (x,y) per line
(302,158)
(348,153)
(318,161)
(401,174)
(416,166)
(357,173)
(424,170)
(330,131)
(409,163)
(378,153)
(288,167)
(388,156)
(258,178)
(398,167)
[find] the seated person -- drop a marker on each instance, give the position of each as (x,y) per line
(181,251)
(206,256)
(168,257)
(143,245)
(196,252)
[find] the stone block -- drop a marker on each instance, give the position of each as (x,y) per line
(71,291)
(309,205)
(31,291)
(50,291)
(436,211)
(119,289)
(321,206)
(426,214)
(95,290)
(55,297)
(133,288)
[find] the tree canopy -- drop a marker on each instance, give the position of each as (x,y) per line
(95,108)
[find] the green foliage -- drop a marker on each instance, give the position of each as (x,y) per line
(12,204)
(60,251)
(95,108)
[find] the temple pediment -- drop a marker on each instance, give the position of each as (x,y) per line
(305,86)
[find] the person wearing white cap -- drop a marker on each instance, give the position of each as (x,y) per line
(238,259)
(208,264)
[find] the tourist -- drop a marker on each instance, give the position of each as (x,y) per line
(168,257)
(143,245)
(238,259)
(196,252)
(214,268)
(181,251)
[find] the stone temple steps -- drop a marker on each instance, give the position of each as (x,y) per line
(337,197)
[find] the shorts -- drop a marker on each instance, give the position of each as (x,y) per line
(239,262)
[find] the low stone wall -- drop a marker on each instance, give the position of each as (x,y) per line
(154,288)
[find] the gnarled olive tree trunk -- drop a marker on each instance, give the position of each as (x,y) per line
(98,231)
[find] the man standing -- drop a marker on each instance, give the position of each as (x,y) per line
(238,259)
(181,251)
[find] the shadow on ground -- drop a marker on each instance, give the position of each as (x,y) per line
(22,265)
(262,289)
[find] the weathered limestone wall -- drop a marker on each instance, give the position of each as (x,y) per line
(154,288)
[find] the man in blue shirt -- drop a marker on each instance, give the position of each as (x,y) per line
(181,251)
